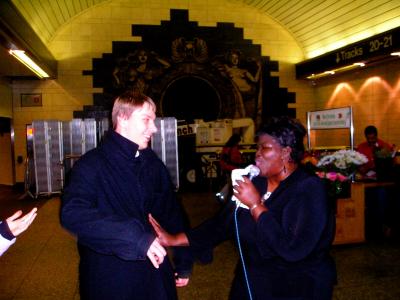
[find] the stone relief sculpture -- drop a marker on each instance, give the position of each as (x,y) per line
(242,76)
(246,83)
(189,50)
(138,69)
(186,50)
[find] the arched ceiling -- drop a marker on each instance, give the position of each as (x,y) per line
(318,26)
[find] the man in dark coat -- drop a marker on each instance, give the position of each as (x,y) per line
(106,203)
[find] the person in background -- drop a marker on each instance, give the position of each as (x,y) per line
(230,159)
(14,226)
(379,221)
(110,192)
(369,149)
(285,233)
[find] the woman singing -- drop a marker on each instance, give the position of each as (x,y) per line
(286,233)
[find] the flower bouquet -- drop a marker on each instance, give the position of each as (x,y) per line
(339,168)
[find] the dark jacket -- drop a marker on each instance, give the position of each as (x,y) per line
(106,204)
(286,252)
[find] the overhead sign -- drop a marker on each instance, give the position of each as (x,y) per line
(375,45)
(363,51)
(330,118)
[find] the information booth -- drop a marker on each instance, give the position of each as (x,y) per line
(350,218)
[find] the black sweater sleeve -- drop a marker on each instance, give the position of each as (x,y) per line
(5,231)
(210,233)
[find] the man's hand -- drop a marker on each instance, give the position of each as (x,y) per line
(18,224)
(156,253)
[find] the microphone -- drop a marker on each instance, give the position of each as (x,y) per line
(251,171)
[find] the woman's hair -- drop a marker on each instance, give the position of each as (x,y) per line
(127,103)
(288,132)
(233,140)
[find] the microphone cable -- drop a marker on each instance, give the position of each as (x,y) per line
(252,171)
(241,254)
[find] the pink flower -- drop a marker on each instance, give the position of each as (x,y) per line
(341,177)
(332,176)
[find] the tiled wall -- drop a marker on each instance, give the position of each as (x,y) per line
(5,139)
(5,159)
(5,100)
(373,93)
(91,33)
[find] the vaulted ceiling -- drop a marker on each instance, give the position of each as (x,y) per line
(318,26)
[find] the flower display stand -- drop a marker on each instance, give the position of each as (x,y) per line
(350,218)
(350,213)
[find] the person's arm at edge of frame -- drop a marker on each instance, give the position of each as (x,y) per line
(14,226)
(6,237)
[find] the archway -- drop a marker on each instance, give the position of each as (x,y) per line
(191,97)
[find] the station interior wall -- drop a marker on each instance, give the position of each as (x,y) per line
(372,92)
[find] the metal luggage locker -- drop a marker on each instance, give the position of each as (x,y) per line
(165,144)
(48,155)
(79,136)
(82,135)
(89,135)
(103,125)
(67,145)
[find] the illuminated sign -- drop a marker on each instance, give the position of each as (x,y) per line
(363,51)
(375,44)
(330,118)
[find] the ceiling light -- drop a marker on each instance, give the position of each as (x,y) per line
(332,72)
(28,62)
(395,53)
(323,74)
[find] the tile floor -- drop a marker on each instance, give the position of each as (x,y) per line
(43,262)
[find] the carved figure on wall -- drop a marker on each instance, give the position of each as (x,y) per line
(189,50)
(138,69)
(120,73)
(246,84)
